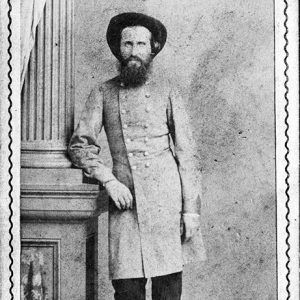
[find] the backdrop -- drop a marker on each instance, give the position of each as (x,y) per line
(221,52)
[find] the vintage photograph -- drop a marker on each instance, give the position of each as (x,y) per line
(148,150)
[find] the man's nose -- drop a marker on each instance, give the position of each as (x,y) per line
(134,50)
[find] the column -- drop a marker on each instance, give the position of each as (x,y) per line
(59,207)
(47,95)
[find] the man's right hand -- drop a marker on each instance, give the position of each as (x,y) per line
(120,194)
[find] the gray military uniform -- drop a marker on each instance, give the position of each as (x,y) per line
(141,125)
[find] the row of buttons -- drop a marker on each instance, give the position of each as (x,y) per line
(145,125)
(147,165)
(130,154)
(147,95)
(124,111)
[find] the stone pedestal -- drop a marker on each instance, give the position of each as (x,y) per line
(59,216)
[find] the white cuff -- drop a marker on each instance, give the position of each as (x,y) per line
(106,182)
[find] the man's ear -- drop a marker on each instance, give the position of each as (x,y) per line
(157,46)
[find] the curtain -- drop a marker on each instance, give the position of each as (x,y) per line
(31,13)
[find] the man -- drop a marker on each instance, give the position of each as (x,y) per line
(153,189)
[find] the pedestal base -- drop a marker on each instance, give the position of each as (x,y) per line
(59,234)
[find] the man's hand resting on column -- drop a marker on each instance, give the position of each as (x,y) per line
(120,194)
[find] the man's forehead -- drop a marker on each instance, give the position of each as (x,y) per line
(136,32)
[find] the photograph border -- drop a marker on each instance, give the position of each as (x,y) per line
(286,109)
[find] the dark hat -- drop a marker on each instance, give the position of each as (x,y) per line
(119,22)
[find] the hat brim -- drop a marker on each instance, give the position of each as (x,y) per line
(119,22)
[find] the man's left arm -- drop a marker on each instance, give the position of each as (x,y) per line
(187,161)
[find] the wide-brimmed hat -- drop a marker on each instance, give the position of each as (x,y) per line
(119,22)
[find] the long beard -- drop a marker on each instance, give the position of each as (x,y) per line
(134,74)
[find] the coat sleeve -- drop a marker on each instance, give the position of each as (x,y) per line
(84,149)
(185,153)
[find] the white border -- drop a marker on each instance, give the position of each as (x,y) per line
(293,145)
(293,157)
(4,184)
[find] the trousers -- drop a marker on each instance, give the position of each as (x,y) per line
(167,287)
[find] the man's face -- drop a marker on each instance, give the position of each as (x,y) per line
(135,42)
(135,49)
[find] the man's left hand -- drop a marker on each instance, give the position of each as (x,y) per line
(191,224)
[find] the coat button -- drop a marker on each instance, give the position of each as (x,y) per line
(130,154)
(148,108)
(133,167)
(146,139)
(147,95)
(146,125)
(128,140)
(123,111)
(147,165)
(125,126)
(146,153)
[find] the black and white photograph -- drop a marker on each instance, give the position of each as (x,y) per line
(149,150)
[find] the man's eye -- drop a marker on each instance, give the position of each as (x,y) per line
(141,43)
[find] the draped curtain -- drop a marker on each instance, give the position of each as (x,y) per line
(31,13)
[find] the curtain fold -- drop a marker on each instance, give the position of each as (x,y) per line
(31,14)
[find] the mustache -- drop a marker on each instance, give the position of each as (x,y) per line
(132,58)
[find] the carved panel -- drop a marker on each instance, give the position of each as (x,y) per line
(40,269)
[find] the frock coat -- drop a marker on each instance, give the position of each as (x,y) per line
(153,154)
